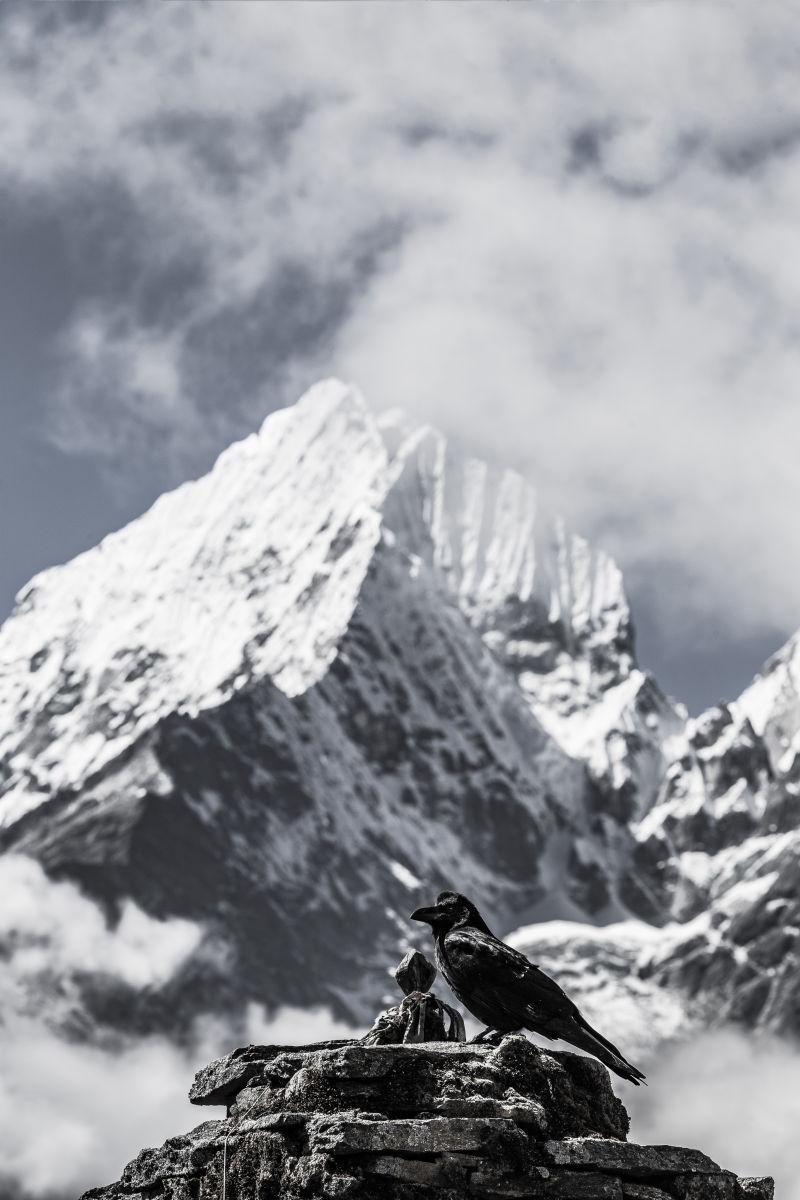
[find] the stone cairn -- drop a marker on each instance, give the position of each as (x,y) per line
(413,1111)
(421,1016)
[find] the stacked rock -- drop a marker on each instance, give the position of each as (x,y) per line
(422,1016)
(438,1121)
(434,1120)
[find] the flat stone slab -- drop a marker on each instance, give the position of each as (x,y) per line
(643,1191)
(608,1154)
(552,1093)
(760,1187)
(565,1185)
(435,1135)
(221,1081)
(444,1173)
(705,1187)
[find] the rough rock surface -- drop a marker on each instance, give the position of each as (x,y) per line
(438,1121)
(720,854)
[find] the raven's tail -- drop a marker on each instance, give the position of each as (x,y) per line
(579,1033)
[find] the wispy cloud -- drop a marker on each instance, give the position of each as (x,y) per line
(75,1109)
(731,1094)
(51,935)
(566,233)
(72,1115)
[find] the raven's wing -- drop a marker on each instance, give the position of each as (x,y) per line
(493,977)
(499,977)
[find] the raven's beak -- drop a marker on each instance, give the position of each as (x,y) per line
(429,915)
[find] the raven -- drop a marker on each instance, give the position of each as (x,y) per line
(503,989)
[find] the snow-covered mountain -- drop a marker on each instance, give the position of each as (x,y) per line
(302,692)
(352,665)
(720,853)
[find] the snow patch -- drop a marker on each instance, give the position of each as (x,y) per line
(404,876)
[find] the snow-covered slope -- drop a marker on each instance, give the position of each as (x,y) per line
(551,608)
(251,572)
(718,855)
(772,705)
(300,694)
(608,971)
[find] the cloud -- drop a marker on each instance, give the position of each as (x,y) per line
(565,233)
(72,1115)
(731,1094)
(50,930)
(73,1112)
(120,382)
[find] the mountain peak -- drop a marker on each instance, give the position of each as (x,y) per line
(255,572)
(252,569)
(772,704)
(317,405)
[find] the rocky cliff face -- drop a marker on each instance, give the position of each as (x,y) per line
(718,857)
(438,1121)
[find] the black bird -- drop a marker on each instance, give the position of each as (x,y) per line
(502,988)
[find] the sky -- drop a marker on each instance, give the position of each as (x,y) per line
(564,233)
